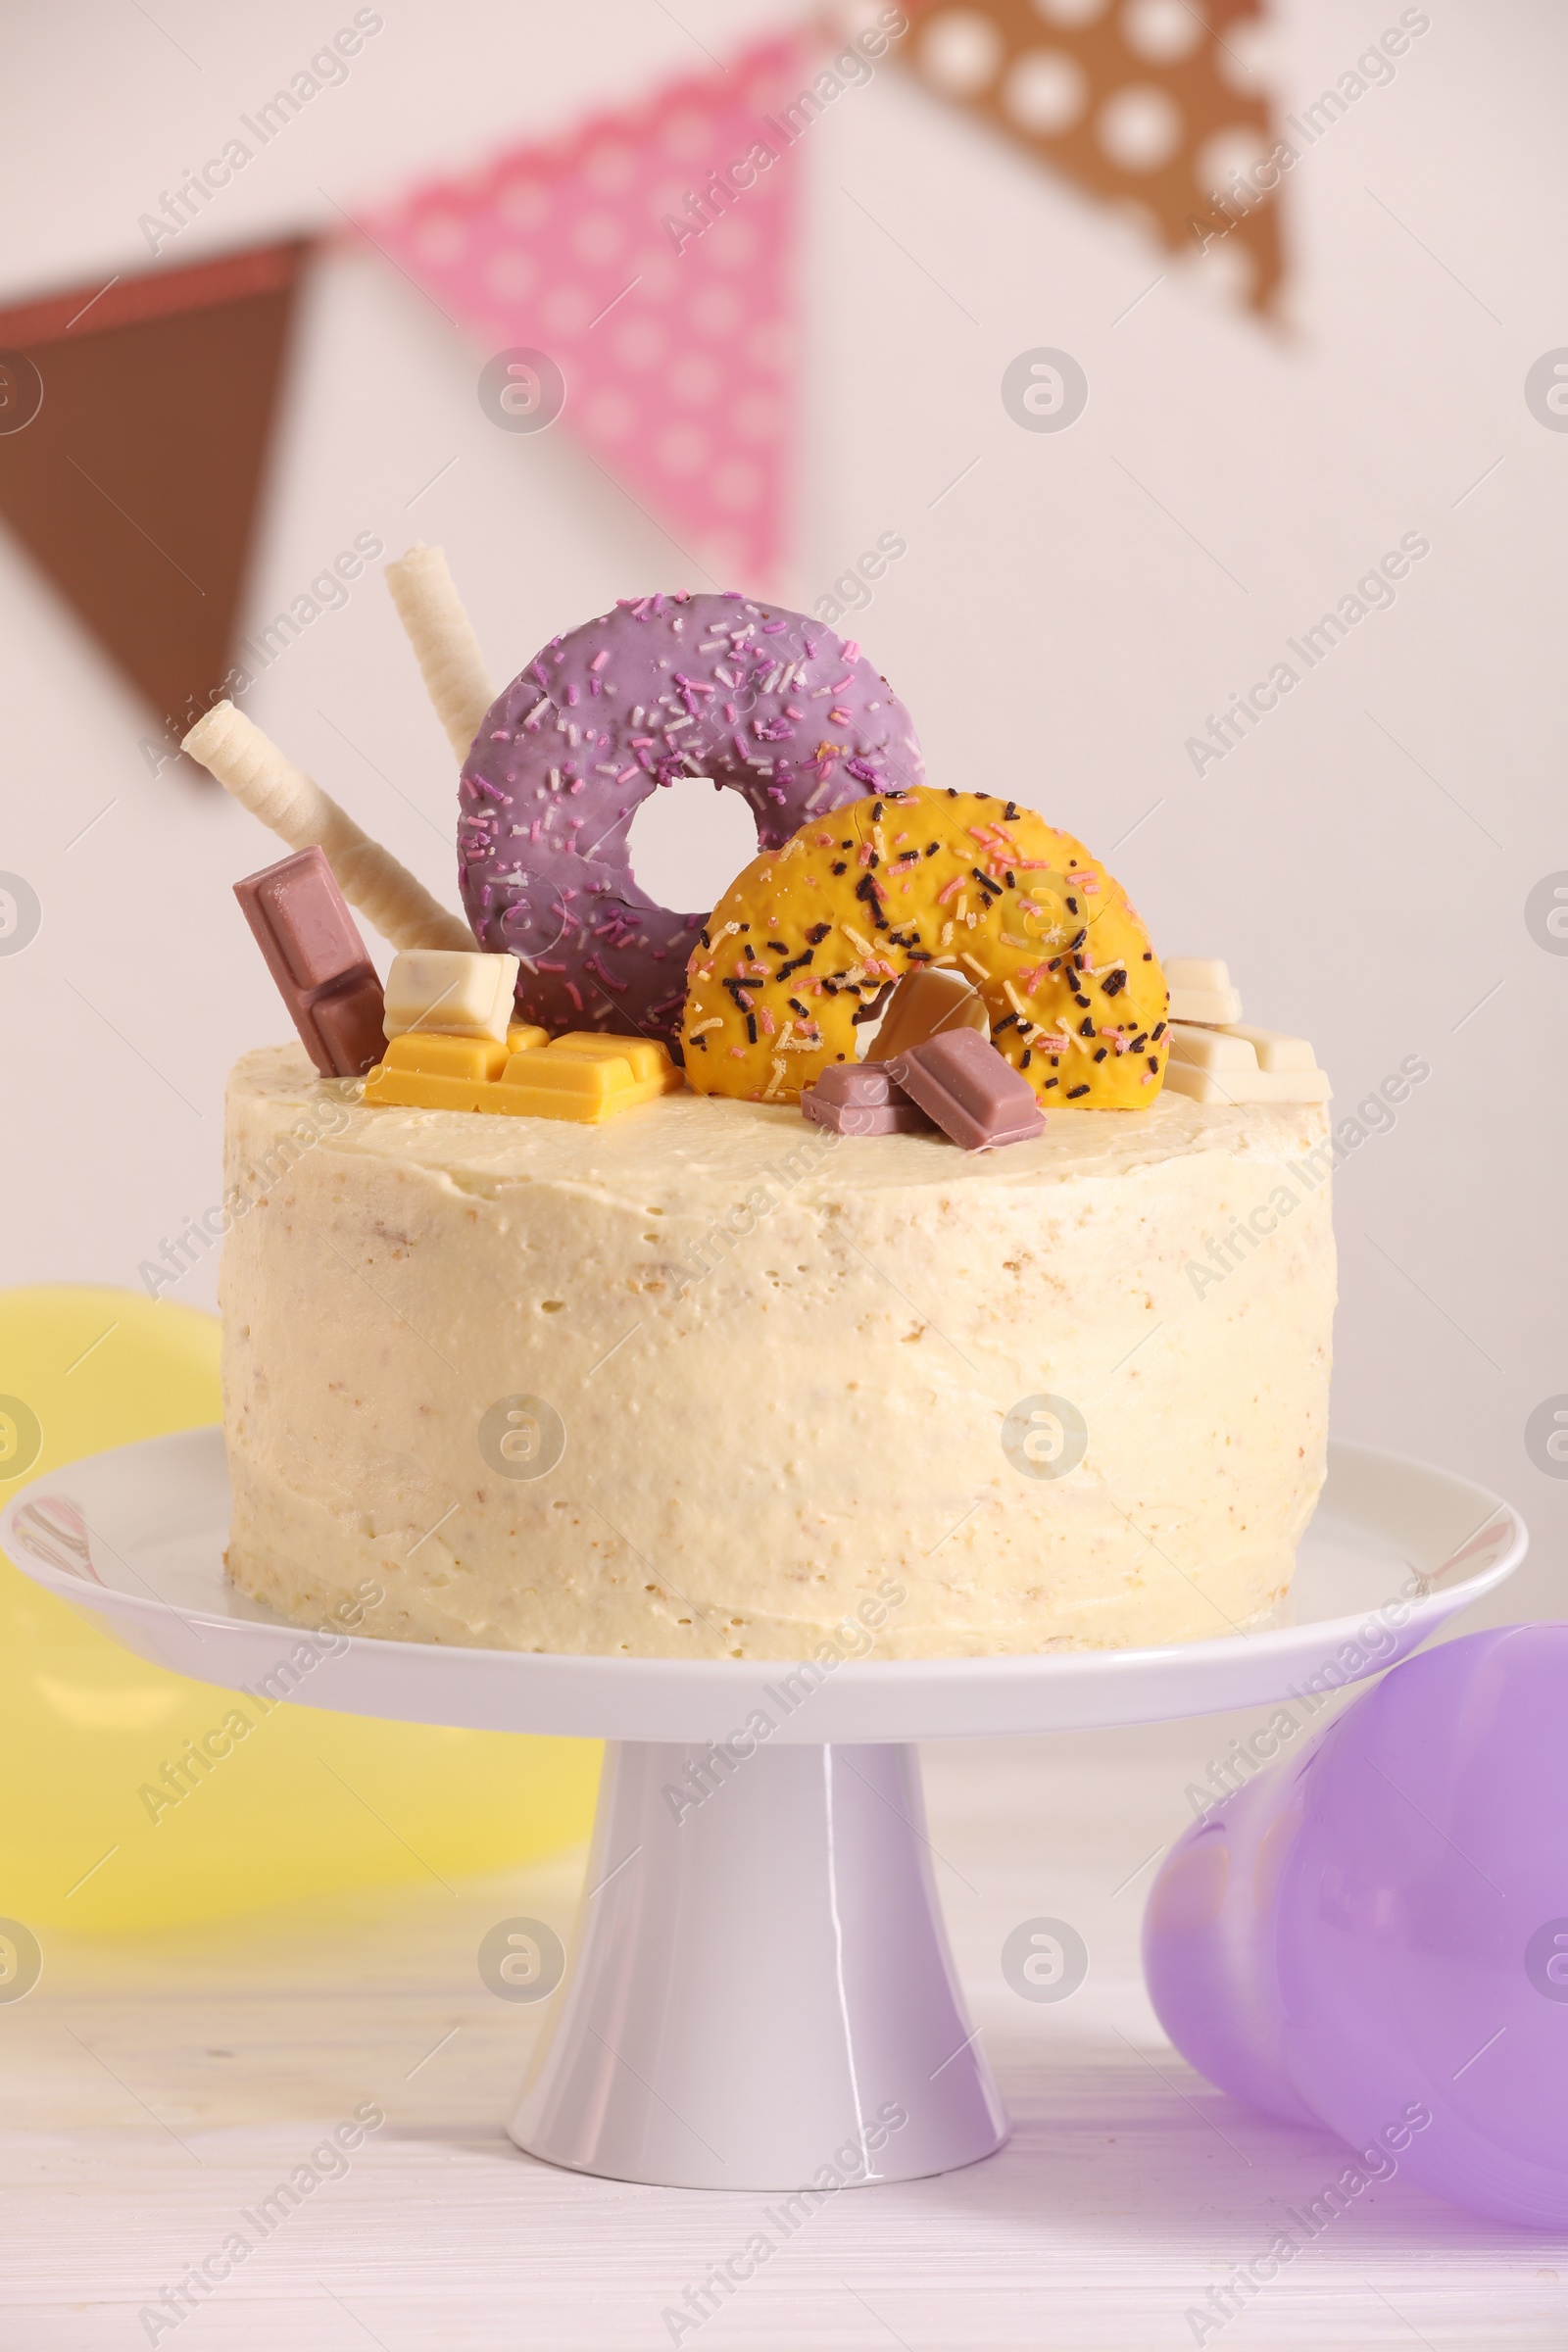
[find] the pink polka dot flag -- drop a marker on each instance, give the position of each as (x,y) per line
(664,295)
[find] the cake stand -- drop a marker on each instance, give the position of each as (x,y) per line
(759,1994)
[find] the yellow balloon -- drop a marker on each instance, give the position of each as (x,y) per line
(304,1800)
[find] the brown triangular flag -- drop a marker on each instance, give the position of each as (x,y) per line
(134,480)
(1150,105)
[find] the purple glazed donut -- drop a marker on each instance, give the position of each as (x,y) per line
(764,702)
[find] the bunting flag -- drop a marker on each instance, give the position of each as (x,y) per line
(1153,105)
(636,276)
(134,422)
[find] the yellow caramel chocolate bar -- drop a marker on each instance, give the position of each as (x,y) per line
(586,1077)
(583,1076)
(441,1056)
(424,1071)
(645,1059)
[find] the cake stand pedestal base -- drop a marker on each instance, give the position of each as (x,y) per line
(759,1994)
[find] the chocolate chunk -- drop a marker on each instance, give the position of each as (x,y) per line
(925,1003)
(314,952)
(973,1094)
(858,1098)
(348,1019)
(856,1082)
(866,1119)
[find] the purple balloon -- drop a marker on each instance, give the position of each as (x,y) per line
(1373,1936)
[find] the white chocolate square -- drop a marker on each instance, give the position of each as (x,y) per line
(1276,1052)
(1215,1007)
(1205,972)
(1246,1086)
(449,993)
(1200,991)
(1210,1048)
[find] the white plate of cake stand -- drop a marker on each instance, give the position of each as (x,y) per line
(759,1994)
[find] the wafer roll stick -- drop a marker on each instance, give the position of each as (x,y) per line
(442,635)
(258,775)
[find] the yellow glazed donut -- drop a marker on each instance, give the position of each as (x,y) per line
(811,933)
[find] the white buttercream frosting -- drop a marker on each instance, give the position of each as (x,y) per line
(781,1366)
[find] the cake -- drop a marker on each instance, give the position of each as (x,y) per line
(599,1287)
(782,1365)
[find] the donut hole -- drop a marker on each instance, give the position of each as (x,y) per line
(687,843)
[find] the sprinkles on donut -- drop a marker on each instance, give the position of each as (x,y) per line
(811,934)
(764,702)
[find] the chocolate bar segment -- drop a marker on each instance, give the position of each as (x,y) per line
(866,1119)
(926,1003)
(1201,990)
(449,993)
(860,1098)
(856,1082)
(347,1018)
(973,1094)
(588,1075)
(302,924)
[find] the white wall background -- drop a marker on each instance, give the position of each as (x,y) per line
(1063,620)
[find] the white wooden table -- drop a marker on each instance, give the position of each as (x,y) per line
(154,2093)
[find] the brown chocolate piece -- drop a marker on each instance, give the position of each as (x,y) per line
(314,952)
(348,1019)
(856,1082)
(858,1098)
(927,1003)
(969,1088)
(866,1118)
